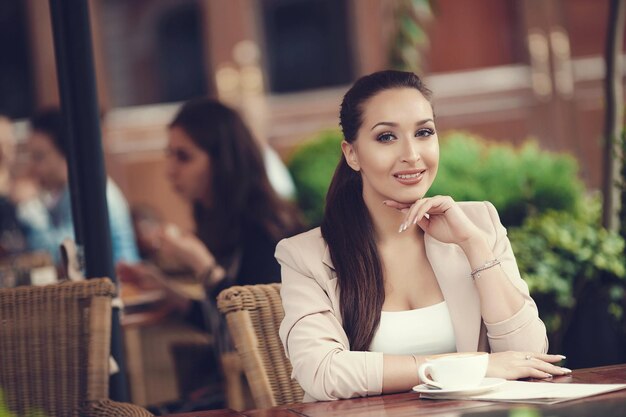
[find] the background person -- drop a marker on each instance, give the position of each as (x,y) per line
(47,218)
(214,163)
(393,276)
(12,240)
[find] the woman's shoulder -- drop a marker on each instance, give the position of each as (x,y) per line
(476,208)
(308,249)
(483,214)
(310,241)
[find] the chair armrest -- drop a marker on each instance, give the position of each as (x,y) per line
(107,408)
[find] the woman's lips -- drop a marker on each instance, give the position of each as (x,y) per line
(409,177)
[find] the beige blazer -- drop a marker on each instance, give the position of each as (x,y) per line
(312,332)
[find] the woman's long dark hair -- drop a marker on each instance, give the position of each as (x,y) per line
(347,226)
(240,192)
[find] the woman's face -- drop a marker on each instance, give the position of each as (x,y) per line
(396,149)
(188,166)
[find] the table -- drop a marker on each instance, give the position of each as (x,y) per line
(150,330)
(408,404)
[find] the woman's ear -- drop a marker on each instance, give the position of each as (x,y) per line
(350,154)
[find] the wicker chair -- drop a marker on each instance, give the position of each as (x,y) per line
(54,349)
(253,315)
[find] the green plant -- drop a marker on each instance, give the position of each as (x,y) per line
(560,254)
(410,37)
(518,181)
(312,166)
(5,412)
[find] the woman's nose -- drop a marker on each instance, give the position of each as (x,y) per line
(170,169)
(410,151)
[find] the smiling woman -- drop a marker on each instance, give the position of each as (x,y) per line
(387,259)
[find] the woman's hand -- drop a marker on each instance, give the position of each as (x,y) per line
(141,275)
(148,277)
(440,217)
(516,365)
(186,249)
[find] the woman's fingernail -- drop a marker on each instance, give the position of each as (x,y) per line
(567,371)
(547,375)
(400,229)
(415,221)
(562,356)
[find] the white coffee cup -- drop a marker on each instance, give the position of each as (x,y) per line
(465,370)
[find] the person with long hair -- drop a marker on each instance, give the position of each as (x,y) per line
(214,163)
(393,277)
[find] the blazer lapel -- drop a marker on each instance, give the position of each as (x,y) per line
(326,259)
(331,283)
(452,271)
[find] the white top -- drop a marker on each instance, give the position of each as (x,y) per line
(423,331)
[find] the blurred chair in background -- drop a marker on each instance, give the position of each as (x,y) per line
(55,344)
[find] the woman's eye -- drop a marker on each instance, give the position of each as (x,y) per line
(424,132)
(180,156)
(385,137)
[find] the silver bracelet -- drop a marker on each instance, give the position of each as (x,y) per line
(490,264)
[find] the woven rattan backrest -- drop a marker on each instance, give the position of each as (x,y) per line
(253,314)
(54,345)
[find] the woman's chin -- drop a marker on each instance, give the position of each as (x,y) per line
(184,193)
(408,198)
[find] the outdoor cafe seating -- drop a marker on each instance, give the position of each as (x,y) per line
(55,344)
(253,315)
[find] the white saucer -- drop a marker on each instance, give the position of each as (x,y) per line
(485,385)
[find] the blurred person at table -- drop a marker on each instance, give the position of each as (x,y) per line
(147,224)
(47,218)
(392,276)
(12,239)
(214,163)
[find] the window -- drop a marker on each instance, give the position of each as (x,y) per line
(16,81)
(153,51)
(306,44)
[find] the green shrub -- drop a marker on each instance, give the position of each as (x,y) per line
(5,412)
(519,182)
(560,254)
(312,166)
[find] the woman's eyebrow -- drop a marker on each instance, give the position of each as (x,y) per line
(393,124)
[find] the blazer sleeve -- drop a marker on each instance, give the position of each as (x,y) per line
(524,331)
(314,339)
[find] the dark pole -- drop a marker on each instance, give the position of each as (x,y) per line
(612,155)
(79,104)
